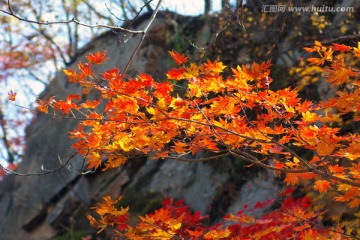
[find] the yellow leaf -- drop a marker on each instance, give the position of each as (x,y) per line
(317,43)
(343,29)
(357,50)
(316,61)
(150,110)
(215,66)
(125,145)
(94,160)
(344,187)
(217,234)
(309,116)
(175,227)
(180,147)
(114,161)
(291,179)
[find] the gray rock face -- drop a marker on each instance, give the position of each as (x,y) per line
(196,182)
(261,188)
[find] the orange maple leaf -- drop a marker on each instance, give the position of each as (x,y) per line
(178,58)
(146,79)
(110,74)
(73,76)
(114,161)
(317,43)
(12,95)
(94,160)
(85,68)
(311,49)
(65,106)
(44,105)
(339,74)
(309,117)
(336,169)
(98,58)
(217,234)
(291,179)
(93,221)
(89,104)
(322,186)
(215,66)
(316,61)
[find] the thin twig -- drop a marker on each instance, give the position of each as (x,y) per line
(9,150)
(199,159)
(219,31)
(118,28)
(250,158)
(45,171)
(152,18)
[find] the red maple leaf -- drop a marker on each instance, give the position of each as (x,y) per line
(98,58)
(341,47)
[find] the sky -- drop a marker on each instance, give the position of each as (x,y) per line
(189,7)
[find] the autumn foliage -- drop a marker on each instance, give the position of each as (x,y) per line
(226,111)
(293,219)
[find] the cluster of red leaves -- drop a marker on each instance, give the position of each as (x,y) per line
(293,220)
(24,55)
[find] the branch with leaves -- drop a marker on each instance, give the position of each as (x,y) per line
(234,114)
(237,115)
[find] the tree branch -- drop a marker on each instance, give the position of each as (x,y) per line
(152,18)
(8,147)
(45,171)
(118,28)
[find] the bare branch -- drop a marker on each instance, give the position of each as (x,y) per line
(9,150)
(45,171)
(152,18)
(91,7)
(206,48)
(198,159)
(250,158)
(117,28)
(334,40)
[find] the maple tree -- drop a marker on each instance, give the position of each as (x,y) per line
(226,114)
(236,115)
